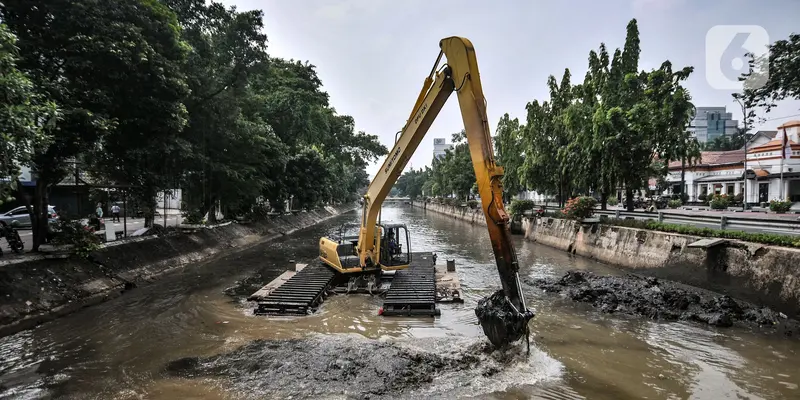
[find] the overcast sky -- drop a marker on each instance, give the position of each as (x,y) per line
(372,56)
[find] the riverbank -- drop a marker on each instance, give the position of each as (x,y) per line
(761,274)
(40,290)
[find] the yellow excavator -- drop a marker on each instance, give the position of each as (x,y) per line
(377,249)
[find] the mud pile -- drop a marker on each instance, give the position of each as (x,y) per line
(350,366)
(661,300)
(501,324)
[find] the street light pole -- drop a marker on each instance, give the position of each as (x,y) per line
(745,118)
(744,173)
(125,211)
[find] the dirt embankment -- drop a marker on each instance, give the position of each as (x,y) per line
(36,291)
(663,300)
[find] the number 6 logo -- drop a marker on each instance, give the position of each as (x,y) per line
(726,46)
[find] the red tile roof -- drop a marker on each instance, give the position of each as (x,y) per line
(708,158)
(790,124)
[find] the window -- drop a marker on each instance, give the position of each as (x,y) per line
(19,211)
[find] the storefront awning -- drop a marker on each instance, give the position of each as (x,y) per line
(786,175)
(719,178)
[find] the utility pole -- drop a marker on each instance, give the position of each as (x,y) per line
(77,189)
(125,211)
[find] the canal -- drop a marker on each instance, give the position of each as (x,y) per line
(119,349)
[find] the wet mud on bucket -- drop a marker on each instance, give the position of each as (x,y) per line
(501,324)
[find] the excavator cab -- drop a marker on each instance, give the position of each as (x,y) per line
(392,254)
(392,243)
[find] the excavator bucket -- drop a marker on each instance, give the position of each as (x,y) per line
(502,323)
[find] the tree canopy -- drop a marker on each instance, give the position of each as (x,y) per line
(775,76)
(25,117)
(156,95)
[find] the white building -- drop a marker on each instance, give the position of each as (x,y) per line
(710,123)
(440,146)
(722,172)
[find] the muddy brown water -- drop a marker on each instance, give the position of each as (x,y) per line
(118,350)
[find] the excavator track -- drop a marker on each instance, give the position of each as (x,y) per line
(413,290)
(301,294)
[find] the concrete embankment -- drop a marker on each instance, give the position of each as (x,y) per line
(762,274)
(39,290)
(473,216)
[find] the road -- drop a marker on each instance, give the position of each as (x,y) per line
(133,225)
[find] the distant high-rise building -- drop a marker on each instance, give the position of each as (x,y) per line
(710,123)
(440,147)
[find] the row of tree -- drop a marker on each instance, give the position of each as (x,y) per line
(151,95)
(616,129)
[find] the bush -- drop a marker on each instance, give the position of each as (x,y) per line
(780,206)
(70,232)
(580,207)
(554,214)
(612,201)
(452,201)
(684,198)
(518,207)
(702,197)
(259,211)
(473,204)
(674,203)
(194,218)
(719,202)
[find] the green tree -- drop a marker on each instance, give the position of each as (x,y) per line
(24,117)
(110,65)
(539,145)
(412,182)
(567,153)
(458,169)
(610,129)
(775,76)
(230,149)
(142,151)
(304,173)
(508,146)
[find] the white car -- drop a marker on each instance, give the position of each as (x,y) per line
(20,214)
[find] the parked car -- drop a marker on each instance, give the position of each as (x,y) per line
(20,214)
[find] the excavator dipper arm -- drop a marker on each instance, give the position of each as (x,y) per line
(460,75)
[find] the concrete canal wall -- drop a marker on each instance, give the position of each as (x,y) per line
(39,290)
(762,274)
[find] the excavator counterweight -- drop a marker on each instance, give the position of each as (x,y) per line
(504,315)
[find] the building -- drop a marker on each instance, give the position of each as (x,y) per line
(769,176)
(717,172)
(440,147)
(710,123)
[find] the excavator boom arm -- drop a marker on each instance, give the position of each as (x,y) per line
(461,75)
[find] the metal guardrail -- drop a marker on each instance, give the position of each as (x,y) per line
(724,222)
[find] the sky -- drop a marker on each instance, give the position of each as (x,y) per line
(373,56)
